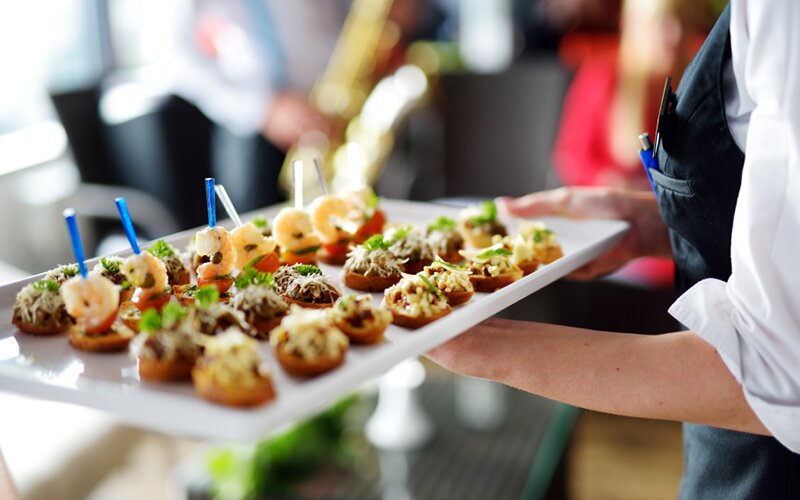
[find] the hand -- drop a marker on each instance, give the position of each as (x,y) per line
(648,235)
(291,116)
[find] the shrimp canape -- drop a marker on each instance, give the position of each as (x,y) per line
(328,213)
(93,301)
(415,302)
(148,275)
(216,244)
(478,224)
(409,245)
(257,299)
(177,272)
(445,239)
(294,233)
(62,273)
(263,226)
(231,372)
(491,268)
(39,309)
(545,245)
(360,319)
(371,267)
(255,250)
(306,286)
(308,343)
(167,348)
(212,317)
(110,267)
(452,280)
(365,213)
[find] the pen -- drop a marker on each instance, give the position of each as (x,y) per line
(647,155)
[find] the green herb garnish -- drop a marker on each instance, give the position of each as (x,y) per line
(494,252)
(205,296)
(46,286)
(251,276)
(161,249)
(70,270)
(260,222)
(346,300)
(110,265)
(306,269)
(150,321)
(377,242)
(306,250)
(431,287)
(401,233)
(448,265)
(488,214)
(373,201)
(443,224)
(171,314)
(539,234)
(125,285)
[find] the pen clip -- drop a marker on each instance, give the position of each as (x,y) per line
(668,102)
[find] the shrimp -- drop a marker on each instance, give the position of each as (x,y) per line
(92,301)
(360,199)
(293,231)
(250,244)
(146,271)
(329,213)
(216,243)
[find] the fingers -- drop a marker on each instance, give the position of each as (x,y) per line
(553,202)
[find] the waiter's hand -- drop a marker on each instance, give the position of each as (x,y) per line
(290,116)
(648,235)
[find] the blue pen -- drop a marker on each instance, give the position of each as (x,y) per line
(647,155)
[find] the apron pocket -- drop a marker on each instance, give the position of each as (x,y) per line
(666,182)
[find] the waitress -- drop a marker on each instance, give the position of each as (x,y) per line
(729,192)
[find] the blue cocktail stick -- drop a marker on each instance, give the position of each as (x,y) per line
(211,202)
(75,236)
(127,224)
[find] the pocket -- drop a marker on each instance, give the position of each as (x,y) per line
(669,183)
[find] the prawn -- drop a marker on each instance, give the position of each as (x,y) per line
(216,243)
(92,301)
(250,244)
(146,271)
(329,214)
(293,230)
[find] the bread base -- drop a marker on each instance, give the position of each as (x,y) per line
(207,388)
(264,326)
(310,305)
(336,259)
(358,281)
(130,315)
(116,339)
(528,266)
(452,256)
(362,335)
(552,254)
(41,330)
(488,284)
(415,322)
(304,368)
(416,266)
(163,371)
(458,298)
(183,278)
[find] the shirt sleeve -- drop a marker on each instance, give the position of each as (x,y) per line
(753,320)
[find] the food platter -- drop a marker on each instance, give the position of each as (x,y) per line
(49,368)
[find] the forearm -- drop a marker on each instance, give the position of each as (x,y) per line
(675,376)
(7,489)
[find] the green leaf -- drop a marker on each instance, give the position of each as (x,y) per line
(377,242)
(488,214)
(431,287)
(205,296)
(539,234)
(443,224)
(150,321)
(448,265)
(260,222)
(373,201)
(161,249)
(70,270)
(304,251)
(494,252)
(251,276)
(46,286)
(172,314)
(401,233)
(306,269)
(110,265)
(125,285)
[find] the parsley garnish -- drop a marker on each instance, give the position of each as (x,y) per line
(205,296)
(488,214)
(306,269)
(448,265)
(260,222)
(125,285)
(110,265)
(161,249)
(171,314)
(401,233)
(431,287)
(250,276)
(308,250)
(539,234)
(46,286)
(443,224)
(373,201)
(150,321)
(70,270)
(494,252)
(377,242)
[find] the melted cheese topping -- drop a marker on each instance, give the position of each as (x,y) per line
(411,297)
(360,309)
(233,359)
(31,302)
(375,263)
(447,279)
(309,334)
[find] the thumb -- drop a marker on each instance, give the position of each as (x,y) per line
(534,204)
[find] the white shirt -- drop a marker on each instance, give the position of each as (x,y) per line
(753,320)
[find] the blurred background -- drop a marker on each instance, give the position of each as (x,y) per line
(446,100)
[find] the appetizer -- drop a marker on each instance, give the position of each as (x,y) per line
(39,309)
(445,239)
(93,302)
(294,233)
(177,272)
(186,294)
(167,347)
(522,252)
(409,245)
(415,302)
(109,267)
(231,372)
(148,275)
(216,244)
(329,213)
(253,249)
(306,286)
(371,267)
(360,319)
(452,280)
(257,299)
(263,225)
(545,245)
(62,273)
(478,224)
(212,317)
(307,343)
(491,268)
(365,213)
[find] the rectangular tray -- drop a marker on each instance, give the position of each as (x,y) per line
(49,368)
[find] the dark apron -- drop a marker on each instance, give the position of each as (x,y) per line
(701,171)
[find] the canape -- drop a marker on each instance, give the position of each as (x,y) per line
(308,343)
(329,215)
(371,267)
(93,301)
(177,272)
(306,286)
(360,319)
(415,302)
(545,244)
(522,252)
(212,317)
(216,243)
(452,280)
(257,299)
(254,250)
(294,233)
(39,309)
(409,245)
(167,348)
(231,372)
(366,213)
(186,294)
(445,239)
(491,268)
(478,224)
(62,273)
(109,267)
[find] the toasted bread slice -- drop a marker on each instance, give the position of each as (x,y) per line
(528,266)
(452,256)
(416,266)
(165,370)
(130,315)
(41,330)
(307,368)
(358,281)
(182,278)
(491,283)
(264,326)
(310,305)
(231,395)
(361,335)
(415,322)
(334,259)
(551,254)
(459,297)
(115,339)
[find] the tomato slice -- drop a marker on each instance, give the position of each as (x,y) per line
(148,299)
(269,263)
(291,258)
(336,248)
(103,326)
(371,227)
(223,283)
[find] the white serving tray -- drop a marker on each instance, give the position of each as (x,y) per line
(49,368)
